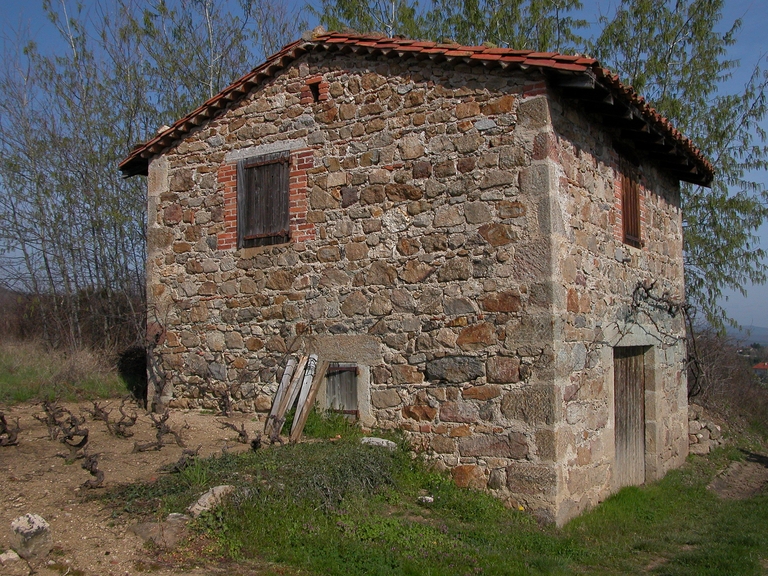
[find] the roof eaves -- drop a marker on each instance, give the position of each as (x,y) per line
(548,62)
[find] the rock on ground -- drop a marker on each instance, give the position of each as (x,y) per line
(31,536)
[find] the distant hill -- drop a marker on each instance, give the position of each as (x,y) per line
(749,335)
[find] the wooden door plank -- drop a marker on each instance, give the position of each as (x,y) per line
(302,420)
(629,411)
(290,396)
(309,372)
(284,382)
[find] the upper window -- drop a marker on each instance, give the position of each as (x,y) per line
(263,200)
(630,208)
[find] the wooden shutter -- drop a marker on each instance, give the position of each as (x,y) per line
(630,209)
(629,411)
(263,200)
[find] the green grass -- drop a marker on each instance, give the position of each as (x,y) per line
(29,372)
(339,507)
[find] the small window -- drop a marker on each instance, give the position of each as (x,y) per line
(314,89)
(341,388)
(263,200)
(630,208)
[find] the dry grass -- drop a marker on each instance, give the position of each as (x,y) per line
(31,371)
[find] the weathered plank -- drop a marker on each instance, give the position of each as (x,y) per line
(301,419)
(281,390)
(309,372)
(629,410)
(290,394)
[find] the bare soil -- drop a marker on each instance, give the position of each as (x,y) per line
(88,540)
(742,480)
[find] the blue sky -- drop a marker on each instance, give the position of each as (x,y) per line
(752,44)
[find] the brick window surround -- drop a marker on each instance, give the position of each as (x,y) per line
(315,89)
(301,160)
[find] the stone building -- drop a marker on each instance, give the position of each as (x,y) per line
(486,244)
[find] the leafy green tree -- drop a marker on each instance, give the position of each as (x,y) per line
(391,17)
(673,53)
(521,24)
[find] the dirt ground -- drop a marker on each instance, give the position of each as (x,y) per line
(743,479)
(87,540)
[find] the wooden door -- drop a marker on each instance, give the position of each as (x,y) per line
(629,405)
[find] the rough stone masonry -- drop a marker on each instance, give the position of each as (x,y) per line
(455,232)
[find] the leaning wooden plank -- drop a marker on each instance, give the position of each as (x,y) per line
(302,420)
(286,380)
(289,397)
(295,388)
(309,372)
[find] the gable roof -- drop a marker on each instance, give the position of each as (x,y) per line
(624,112)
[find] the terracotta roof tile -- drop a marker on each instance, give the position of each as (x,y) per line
(137,161)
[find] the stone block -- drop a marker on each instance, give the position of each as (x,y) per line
(455,269)
(279,280)
(532,404)
(210,499)
(513,445)
(501,302)
(458,412)
(486,392)
(420,412)
(545,444)
(355,303)
(442,445)
(321,200)
(406,374)
(166,534)
(497,479)
(503,369)
(500,105)
(533,112)
(467,143)
(262,403)
(455,369)
(385,398)
(531,479)
(462,431)
(327,254)
(403,192)
(31,536)
(411,148)
(469,476)
(458,306)
(467,110)
(447,216)
(380,273)
(511,209)
(477,337)
(477,212)
(381,305)
(496,234)
(414,271)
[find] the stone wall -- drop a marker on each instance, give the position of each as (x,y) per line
(457,242)
(599,304)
